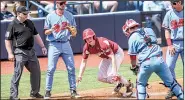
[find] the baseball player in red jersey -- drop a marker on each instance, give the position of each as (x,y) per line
(112,57)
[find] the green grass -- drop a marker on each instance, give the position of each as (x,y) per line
(60,84)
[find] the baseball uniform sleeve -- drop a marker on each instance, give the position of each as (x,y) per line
(9,32)
(47,24)
(132,46)
(34,29)
(166,21)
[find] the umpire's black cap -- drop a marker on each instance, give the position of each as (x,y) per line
(22,9)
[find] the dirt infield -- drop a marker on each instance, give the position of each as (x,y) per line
(93,60)
(157,91)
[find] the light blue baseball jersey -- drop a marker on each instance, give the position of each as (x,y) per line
(174,21)
(64,20)
(137,45)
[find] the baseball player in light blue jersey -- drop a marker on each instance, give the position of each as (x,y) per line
(58,37)
(143,44)
(174,32)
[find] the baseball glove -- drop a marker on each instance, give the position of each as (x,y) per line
(72,30)
(135,70)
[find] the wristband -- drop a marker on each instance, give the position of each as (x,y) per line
(133,57)
(168,41)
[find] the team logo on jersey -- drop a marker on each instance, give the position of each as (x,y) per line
(106,42)
(181,22)
(64,25)
(175,24)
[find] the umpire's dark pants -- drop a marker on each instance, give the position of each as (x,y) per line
(28,59)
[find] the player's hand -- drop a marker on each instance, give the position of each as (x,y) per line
(79,79)
(56,28)
(171,50)
(11,57)
(116,78)
(113,73)
(44,50)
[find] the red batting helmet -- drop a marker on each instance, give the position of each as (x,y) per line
(129,24)
(88,33)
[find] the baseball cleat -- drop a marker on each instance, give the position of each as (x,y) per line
(117,94)
(74,95)
(169,95)
(127,94)
(47,95)
(118,87)
(37,95)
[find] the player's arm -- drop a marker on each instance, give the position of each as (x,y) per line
(83,63)
(166,23)
(82,67)
(110,54)
(133,60)
(114,67)
(169,42)
(168,37)
(48,29)
(132,50)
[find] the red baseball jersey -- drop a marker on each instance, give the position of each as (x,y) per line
(103,47)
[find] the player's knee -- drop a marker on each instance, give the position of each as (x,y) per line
(70,68)
(141,84)
(51,71)
(101,79)
(171,85)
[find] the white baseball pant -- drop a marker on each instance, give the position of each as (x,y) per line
(105,68)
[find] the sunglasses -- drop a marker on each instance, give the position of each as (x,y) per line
(61,3)
(25,13)
(174,3)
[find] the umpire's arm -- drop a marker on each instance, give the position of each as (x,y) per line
(8,41)
(8,45)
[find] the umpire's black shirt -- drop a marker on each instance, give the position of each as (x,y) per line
(22,34)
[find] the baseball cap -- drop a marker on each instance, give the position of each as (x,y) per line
(22,9)
(175,1)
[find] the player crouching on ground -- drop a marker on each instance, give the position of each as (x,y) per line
(112,56)
(143,43)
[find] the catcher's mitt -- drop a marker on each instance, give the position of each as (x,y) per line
(135,70)
(72,30)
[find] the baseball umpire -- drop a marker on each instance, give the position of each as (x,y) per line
(174,32)
(142,43)
(112,56)
(21,34)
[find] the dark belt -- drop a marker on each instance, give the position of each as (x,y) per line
(154,56)
(178,40)
(60,41)
(25,48)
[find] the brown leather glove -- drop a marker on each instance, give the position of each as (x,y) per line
(72,30)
